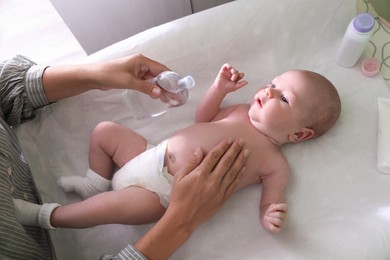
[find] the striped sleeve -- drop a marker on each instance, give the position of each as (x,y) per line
(17,242)
(128,253)
(21,89)
(21,93)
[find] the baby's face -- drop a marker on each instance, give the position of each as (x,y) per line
(278,109)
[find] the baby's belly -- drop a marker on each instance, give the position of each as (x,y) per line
(182,145)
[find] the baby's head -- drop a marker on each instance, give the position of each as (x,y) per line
(297,105)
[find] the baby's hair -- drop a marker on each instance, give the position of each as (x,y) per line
(324,111)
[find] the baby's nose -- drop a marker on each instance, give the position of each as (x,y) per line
(270,92)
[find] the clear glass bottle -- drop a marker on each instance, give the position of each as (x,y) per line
(355,39)
(175,93)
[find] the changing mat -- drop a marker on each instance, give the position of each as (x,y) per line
(339,203)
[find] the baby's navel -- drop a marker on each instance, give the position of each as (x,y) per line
(171,157)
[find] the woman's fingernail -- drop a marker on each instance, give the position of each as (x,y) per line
(156,91)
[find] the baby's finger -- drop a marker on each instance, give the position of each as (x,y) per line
(241,75)
(277,214)
(277,222)
(226,68)
(241,84)
(279,207)
(273,228)
(235,74)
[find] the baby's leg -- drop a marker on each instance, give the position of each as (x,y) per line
(111,144)
(131,206)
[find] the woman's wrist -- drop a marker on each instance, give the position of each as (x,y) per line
(166,236)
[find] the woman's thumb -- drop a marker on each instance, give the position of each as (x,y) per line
(192,163)
(148,88)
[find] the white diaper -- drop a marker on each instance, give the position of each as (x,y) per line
(147,171)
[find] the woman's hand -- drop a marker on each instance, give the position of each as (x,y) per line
(198,193)
(129,72)
(199,190)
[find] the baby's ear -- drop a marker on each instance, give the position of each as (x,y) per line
(302,135)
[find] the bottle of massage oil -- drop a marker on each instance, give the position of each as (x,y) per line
(175,93)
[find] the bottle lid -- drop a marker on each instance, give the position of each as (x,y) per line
(370,67)
(186,82)
(364,22)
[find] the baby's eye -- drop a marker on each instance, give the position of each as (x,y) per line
(270,85)
(284,99)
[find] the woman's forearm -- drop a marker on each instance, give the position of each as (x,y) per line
(66,81)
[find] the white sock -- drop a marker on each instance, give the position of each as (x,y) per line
(45,214)
(30,214)
(87,186)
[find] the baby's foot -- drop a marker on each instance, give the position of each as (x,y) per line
(87,186)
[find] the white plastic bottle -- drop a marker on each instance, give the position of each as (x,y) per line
(355,39)
(175,93)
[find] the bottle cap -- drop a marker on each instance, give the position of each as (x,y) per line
(186,82)
(370,67)
(364,22)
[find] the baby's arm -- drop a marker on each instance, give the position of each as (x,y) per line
(273,209)
(228,80)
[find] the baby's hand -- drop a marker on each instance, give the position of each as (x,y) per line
(229,79)
(275,217)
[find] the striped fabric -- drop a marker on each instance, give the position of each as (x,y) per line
(20,90)
(20,94)
(128,253)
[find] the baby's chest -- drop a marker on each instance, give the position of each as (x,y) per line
(263,160)
(257,166)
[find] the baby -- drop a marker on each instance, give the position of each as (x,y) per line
(295,106)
